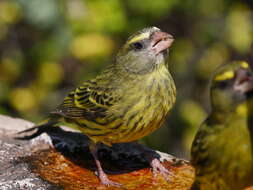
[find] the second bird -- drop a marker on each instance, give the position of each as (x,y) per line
(222,149)
(128,100)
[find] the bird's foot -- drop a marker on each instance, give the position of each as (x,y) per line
(106,181)
(100,172)
(158,168)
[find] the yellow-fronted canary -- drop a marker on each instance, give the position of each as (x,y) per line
(128,100)
(222,149)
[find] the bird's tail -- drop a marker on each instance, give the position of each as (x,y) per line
(38,129)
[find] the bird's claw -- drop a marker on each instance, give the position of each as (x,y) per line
(158,168)
(107,182)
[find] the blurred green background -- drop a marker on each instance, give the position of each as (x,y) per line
(48,47)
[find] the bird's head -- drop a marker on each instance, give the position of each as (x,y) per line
(145,50)
(231,86)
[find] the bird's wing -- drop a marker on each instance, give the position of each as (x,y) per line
(89,101)
(200,146)
(204,149)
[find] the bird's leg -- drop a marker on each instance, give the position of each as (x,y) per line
(157,167)
(155,164)
(101,174)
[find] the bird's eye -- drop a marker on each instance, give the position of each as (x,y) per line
(224,84)
(137,45)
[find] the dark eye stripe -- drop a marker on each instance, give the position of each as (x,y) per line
(142,44)
(137,45)
(224,84)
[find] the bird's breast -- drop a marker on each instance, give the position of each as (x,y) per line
(146,105)
(226,155)
(141,109)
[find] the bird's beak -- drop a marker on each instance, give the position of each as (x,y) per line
(244,81)
(161,41)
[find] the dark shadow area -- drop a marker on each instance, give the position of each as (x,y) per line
(118,159)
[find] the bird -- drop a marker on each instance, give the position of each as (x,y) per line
(221,152)
(128,100)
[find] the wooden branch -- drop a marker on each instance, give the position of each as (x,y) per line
(61,159)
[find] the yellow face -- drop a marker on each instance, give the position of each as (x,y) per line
(244,64)
(142,35)
(229,73)
(141,53)
(231,85)
(225,76)
(139,37)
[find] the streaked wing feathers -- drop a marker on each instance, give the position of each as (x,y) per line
(89,97)
(89,101)
(201,149)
